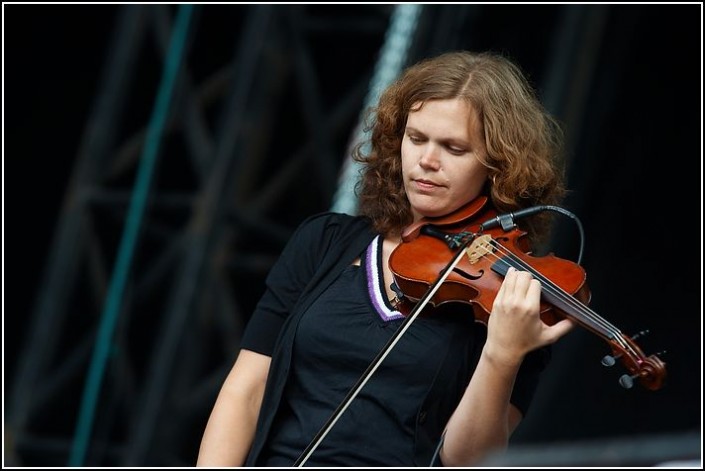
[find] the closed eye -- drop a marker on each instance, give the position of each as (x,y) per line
(456,150)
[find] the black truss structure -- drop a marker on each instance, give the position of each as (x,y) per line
(252,145)
(264,109)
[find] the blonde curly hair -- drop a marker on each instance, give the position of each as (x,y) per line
(523,141)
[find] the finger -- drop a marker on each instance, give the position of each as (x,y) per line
(509,281)
(559,329)
(502,287)
(522,283)
(533,291)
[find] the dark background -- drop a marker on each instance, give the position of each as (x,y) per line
(630,95)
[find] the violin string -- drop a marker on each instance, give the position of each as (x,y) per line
(555,289)
(589,317)
(580,308)
(588,314)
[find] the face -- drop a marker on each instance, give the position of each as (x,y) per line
(439,154)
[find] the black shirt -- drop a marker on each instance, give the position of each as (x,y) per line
(407,402)
(335,342)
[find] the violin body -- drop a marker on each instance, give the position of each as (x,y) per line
(431,244)
(416,265)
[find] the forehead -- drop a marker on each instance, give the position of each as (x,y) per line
(451,116)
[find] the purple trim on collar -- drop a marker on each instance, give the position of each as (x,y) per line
(375,283)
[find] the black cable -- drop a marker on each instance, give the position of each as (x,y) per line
(565,212)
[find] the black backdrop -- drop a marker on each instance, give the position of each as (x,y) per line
(635,174)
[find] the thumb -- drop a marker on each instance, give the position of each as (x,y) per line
(559,329)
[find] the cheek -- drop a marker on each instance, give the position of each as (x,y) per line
(478,180)
(476,174)
(406,156)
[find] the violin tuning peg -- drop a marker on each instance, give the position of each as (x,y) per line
(610,360)
(627,381)
(640,334)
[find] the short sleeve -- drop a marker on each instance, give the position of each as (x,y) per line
(286,281)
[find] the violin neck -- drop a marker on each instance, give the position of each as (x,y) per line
(567,304)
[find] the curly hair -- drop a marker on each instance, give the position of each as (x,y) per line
(523,141)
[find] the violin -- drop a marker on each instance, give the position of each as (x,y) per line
(429,244)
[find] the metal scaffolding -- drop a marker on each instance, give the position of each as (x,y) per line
(250,147)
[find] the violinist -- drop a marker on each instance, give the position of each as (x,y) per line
(451,129)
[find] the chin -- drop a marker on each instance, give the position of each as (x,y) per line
(430,207)
(431,212)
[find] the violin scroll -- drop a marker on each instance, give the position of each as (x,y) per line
(649,371)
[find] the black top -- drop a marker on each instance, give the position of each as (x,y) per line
(408,400)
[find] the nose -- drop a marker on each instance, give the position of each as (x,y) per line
(430,158)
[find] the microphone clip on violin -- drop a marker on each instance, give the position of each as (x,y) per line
(507,221)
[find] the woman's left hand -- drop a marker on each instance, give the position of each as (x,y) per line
(515,327)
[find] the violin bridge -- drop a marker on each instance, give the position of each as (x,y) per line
(480,247)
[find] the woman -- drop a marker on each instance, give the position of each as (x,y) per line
(451,129)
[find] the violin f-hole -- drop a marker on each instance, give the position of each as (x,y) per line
(467,275)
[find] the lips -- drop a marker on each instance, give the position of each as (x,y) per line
(426,185)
